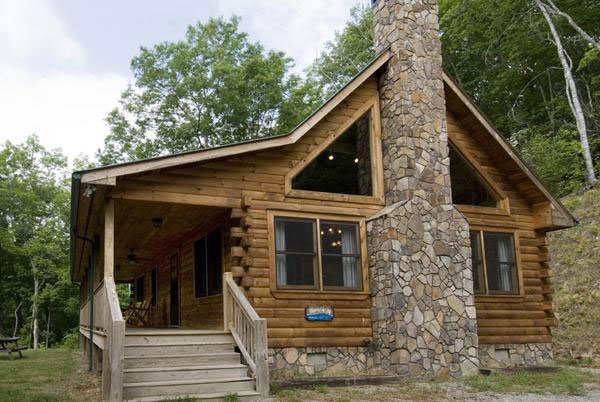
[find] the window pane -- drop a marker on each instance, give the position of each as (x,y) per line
(344,166)
(296,270)
(340,259)
(295,252)
(500,262)
(467,187)
(214,262)
(200,267)
(294,235)
(477,263)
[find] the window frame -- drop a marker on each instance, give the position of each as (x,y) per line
(503,205)
(377,197)
(495,294)
(319,291)
(205,237)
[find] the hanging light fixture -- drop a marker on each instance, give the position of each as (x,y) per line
(330,157)
(355,160)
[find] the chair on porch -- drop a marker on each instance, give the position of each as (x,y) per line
(135,313)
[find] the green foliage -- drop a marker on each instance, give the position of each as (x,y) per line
(231,398)
(34,215)
(557,159)
(347,54)
(71,339)
(214,87)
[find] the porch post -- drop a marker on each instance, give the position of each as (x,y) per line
(109,238)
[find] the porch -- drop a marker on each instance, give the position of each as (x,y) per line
(202,337)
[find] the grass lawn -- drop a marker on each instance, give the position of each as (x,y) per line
(47,375)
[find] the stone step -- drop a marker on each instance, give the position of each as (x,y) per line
(187,387)
(245,396)
(179,360)
(146,374)
(179,348)
(171,336)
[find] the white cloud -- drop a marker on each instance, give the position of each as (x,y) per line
(65,110)
(301,27)
(31,29)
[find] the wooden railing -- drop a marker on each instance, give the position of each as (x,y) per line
(249,331)
(112,358)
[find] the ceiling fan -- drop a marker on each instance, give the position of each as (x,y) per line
(133,258)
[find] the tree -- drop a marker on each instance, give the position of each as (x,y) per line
(34,204)
(212,88)
(571,87)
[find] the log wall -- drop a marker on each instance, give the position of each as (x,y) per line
(526,318)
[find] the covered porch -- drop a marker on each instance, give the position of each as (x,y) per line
(177,259)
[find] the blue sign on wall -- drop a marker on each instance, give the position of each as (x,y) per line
(320,313)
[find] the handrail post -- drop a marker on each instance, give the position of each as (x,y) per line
(227,302)
(262,362)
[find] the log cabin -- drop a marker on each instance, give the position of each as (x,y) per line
(393,231)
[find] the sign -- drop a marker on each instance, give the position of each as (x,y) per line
(321,313)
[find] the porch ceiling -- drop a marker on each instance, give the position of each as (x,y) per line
(134,230)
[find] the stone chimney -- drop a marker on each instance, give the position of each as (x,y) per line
(421,281)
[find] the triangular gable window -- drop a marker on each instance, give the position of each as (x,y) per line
(344,167)
(468,188)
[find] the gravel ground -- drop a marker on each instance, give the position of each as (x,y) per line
(438,391)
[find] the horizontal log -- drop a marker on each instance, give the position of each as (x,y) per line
(317,342)
(543,322)
(508,339)
(510,314)
(337,322)
(318,332)
(481,331)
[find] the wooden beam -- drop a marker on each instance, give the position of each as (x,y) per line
(109,238)
(176,198)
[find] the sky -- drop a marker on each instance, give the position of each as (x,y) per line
(64,63)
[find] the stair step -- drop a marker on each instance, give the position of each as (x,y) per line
(170,336)
(145,374)
(178,348)
(245,396)
(179,360)
(187,387)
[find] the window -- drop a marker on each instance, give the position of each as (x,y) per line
(331,263)
(494,263)
(154,280)
(139,289)
(468,188)
(208,264)
(344,167)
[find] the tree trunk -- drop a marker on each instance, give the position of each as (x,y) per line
(17,319)
(35,313)
(555,10)
(572,95)
(48,324)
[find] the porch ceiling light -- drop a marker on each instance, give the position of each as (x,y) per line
(157,222)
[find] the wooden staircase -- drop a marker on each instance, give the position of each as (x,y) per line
(164,364)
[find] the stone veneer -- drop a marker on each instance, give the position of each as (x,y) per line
(515,355)
(321,360)
(423,309)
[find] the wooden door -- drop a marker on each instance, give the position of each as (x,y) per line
(174,268)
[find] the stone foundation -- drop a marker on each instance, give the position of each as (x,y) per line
(323,360)
(515,355)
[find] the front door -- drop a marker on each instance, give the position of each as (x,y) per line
(174,266)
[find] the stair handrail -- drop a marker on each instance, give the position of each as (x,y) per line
(112,359)
(248,330)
